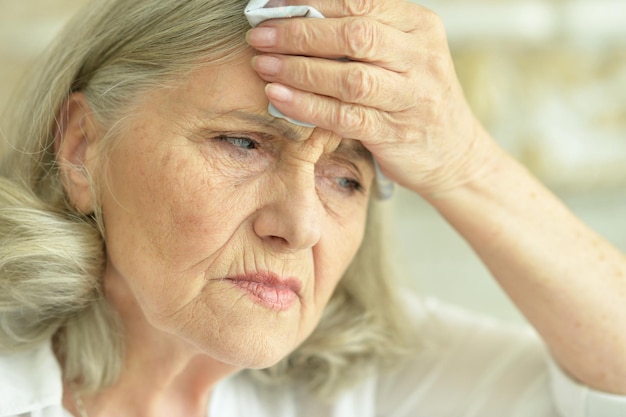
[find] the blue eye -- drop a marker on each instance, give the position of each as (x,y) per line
(240,142)
(350,184)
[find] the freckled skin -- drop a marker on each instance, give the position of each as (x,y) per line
(183,212)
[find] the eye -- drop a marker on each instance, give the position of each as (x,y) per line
(338,178)
(239,141)
(349,184)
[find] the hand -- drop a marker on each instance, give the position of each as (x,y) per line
(397,93)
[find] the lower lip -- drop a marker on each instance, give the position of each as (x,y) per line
(277,298)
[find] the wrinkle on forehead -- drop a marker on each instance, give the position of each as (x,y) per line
(352,149)
(287,129)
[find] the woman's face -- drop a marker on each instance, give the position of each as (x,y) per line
(228,228)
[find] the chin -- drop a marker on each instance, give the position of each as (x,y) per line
(249,357)
(265,363)
(252,349)
(248,338)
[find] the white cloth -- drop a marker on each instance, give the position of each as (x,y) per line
(30,384)
(256,13)
(469,366)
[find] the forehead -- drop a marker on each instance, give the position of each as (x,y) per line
(231,97)
(260,118)
(246,120)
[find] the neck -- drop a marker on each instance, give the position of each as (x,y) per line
(175,390)
(162,374)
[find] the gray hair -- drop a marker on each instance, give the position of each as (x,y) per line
(51,256)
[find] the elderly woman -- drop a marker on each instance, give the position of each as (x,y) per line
(169,248)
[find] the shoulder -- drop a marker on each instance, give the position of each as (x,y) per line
(487,367)
(440,326)
(30,381)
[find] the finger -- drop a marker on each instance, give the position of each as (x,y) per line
(398,14)
(350,121)
(360,39)
(350,82)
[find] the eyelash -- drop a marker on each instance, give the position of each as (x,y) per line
(350,184)
(251,143)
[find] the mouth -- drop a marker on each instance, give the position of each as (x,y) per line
(269,290)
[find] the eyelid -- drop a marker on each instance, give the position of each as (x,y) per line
(235,136)
(343,168)
(272,143)
(358,170)
(255,136)
(242,142)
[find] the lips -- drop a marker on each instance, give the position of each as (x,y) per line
(269,290)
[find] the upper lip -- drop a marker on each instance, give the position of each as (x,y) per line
(271,280)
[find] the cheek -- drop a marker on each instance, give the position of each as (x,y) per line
(337,252)
(166,218)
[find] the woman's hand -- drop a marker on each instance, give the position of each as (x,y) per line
(397,92)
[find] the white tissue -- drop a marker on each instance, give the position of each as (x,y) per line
(256,13)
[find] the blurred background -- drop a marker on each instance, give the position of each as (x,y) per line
(547,78)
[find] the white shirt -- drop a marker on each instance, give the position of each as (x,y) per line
(469,366)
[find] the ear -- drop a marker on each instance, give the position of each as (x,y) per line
(74,146)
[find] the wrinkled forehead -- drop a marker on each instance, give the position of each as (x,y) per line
(285,128)
(352,149)
(231,98)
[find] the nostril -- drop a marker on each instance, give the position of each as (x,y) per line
(286,228)
(277,239)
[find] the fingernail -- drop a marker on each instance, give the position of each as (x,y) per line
(261,37)
(266,64)
(278,92)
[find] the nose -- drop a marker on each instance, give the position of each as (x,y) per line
(291,217)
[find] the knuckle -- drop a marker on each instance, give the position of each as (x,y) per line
(359,7)
(303,75)
(297,31)
(433,21)
(439,65)
(351,118)
(359,84)
(360,36)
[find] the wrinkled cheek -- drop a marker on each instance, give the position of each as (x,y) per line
(196,224)
(333,260)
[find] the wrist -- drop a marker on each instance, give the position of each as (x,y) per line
(473,167)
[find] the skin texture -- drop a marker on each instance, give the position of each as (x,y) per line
(205,186)
(399,96)
(183,210)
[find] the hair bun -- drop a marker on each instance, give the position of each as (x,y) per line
(50,265)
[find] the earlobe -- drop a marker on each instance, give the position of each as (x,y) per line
(74,147)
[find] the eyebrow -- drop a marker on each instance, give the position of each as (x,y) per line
(282,126)
(351,149)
